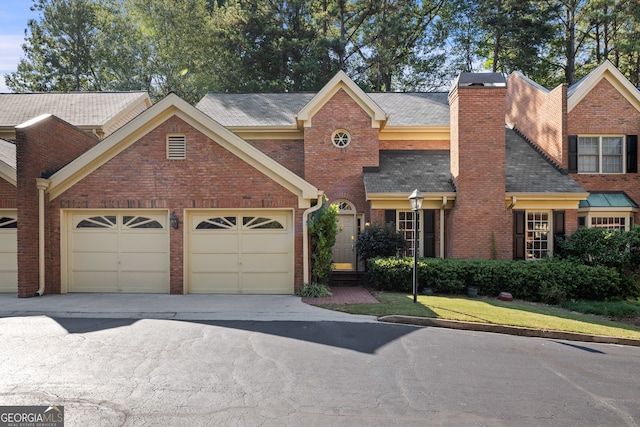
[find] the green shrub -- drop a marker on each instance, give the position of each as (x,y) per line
(315,291)
(323,228)
(380,241)
(597,246)
(551,281)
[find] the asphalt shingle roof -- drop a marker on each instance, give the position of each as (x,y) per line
(403,171)
(81,109)
(526,171)
(529,172)
(8,152)
(280,109)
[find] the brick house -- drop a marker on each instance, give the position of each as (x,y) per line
(214,198)
(97,114)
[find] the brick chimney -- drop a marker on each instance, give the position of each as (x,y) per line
(479,226)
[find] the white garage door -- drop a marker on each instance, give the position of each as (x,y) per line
(8,251)
(125,251)
(248,252)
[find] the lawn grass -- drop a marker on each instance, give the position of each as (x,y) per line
(489,310)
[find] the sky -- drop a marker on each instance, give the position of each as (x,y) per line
(14,15)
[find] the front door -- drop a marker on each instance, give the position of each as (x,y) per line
(344,251)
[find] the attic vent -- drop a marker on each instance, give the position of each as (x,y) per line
(176,147)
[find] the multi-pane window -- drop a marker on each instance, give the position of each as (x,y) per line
(406,226)
(538,235)
(611,223)
(620,222)
(600,154)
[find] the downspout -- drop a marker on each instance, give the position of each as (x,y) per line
(444,203)
(42,185)
(513,202)
(305,238)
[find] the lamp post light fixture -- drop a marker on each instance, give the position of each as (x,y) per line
(416,199)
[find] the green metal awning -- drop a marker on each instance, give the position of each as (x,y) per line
(608,200)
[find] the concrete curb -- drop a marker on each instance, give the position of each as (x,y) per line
(510,330)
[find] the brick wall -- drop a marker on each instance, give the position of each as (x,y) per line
(289,153)
(478,158)
(338,171)
(8,194)
(540,116)
(210,177)
(605,111)
(41,148)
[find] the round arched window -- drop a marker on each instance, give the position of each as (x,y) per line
(341,138)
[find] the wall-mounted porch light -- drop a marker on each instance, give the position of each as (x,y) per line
(174,221)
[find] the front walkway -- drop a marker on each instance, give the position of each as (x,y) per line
(345,295)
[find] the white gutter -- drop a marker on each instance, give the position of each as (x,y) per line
(42,185)
(305,238)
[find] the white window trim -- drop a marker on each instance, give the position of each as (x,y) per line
(549,251)
(589,214)
(420,228)
(622,155)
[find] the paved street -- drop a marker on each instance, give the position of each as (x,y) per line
(157,372)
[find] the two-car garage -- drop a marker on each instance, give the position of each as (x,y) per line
(239,251)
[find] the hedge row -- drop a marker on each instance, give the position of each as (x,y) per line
(549,281)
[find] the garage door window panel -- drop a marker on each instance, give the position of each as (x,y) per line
(6,222)
(140,222)
(260,223)
(218,223)
(98,222)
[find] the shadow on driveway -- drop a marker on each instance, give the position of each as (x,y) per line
(360,337)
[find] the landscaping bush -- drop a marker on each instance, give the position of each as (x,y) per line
(550,281)
(323,229)
(380,241)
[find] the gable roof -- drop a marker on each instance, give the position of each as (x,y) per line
(172,105)
(609,72)
(262,110)
(90,111)
(8,161)
(342,82)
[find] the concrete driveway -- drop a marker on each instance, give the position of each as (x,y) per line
(178,307)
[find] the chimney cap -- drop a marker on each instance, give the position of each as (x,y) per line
(481,80)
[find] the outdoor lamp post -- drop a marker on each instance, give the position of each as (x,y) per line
(416,199)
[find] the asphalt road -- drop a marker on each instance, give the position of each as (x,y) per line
(119,372)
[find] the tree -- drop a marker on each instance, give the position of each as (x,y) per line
(515,31)
(277,46)
(58,51)
(180,43)
(392,38)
